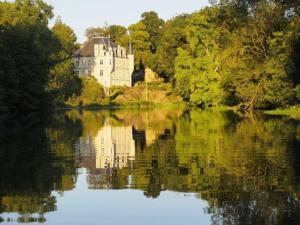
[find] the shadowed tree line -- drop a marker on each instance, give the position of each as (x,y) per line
(36,158)
(35,61)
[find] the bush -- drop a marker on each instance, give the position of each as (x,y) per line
(91,93)
(115,92)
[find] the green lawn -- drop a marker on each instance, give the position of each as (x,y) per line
(292,111)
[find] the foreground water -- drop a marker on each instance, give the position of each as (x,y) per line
(151,167)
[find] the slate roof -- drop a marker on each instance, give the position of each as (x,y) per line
(87,50)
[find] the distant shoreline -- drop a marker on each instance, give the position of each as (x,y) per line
(292,112)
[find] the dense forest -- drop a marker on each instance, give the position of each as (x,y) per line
(234,52)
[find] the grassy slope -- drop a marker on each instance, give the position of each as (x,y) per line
(293,112)
(154,94)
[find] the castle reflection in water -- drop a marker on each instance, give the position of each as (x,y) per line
(114,149)
(111,149)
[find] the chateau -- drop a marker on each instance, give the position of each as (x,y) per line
(111,65)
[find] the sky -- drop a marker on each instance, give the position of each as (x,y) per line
(82,14)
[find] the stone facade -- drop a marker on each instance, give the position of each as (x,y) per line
(111,65)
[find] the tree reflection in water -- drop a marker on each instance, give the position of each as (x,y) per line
(36,159)
(246,167)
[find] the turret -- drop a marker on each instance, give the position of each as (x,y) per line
(130,51)
(110,56)
(130,62)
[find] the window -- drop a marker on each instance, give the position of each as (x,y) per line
(77,63)
(89,72)
(101,62)
(101,73)
(89,62)
(77,72)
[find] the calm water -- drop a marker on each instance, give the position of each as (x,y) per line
(155,167)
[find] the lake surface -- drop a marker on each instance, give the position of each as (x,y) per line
(154,167)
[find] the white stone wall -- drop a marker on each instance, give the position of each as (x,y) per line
(121,74)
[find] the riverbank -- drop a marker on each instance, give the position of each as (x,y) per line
(133,105)
(151,95)
(292,111)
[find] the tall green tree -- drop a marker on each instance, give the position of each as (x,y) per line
(172,38)
(240,53)
(262,77)
(96,31)
(141,44)
(63,82)
(116,32)
(27,44)
(199,67)
(153,26)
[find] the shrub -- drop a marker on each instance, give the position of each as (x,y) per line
(91,93)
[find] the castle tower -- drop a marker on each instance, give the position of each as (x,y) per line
(131,61)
